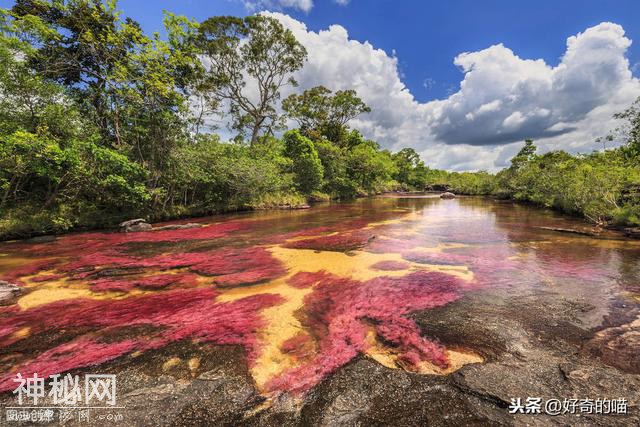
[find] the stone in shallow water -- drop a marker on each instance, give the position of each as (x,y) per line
(134,225)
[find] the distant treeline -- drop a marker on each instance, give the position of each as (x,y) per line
(100,122)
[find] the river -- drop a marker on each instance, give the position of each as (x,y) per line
(359,311)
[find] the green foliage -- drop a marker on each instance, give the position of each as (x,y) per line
(411,171)
(320,114)
(370,169)
(591,185)
(305,163)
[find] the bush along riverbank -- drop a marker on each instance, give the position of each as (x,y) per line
(101,123)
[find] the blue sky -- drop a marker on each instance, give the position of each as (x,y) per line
(463,82)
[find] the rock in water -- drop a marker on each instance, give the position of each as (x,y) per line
(447,195)
(8,290)
(135,225)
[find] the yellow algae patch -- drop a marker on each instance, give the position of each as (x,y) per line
(171,363)
(281,326)
(21,333)
(356,264)
(47,294)
(457,359)
(60,290)
(301,238)
(193,364)
(408,217)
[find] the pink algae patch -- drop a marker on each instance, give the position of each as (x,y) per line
(340,312)
(171,316)
(160,281)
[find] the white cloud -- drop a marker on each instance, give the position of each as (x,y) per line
(254,5)
(303,5)
(501,100)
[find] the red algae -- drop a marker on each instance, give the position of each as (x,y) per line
(177,315)
(160,281)
(301,346)
(339,313)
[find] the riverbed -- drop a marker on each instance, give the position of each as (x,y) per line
(404,310)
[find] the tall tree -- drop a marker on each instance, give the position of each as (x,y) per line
(316,110)
(250,60)
(87,52)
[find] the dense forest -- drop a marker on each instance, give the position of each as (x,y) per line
(100,122)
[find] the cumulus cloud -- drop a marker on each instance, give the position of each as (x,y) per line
(501,100)
(504,98)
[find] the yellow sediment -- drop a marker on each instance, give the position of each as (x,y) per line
(282,325)
(171,363)
(193,364)
(21,333)
(64,289)
(281,320)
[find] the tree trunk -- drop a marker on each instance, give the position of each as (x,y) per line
(256,129)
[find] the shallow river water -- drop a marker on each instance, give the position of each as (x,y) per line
(472,295)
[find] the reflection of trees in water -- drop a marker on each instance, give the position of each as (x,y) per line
(614,262)
(629,270)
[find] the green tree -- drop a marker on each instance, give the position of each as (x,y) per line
(250,60)
(525,155)
(306,164)
(133,87)
(370,168)
(410,168)
(318,112)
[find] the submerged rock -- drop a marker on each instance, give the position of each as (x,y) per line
(134,225)
(447,195)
